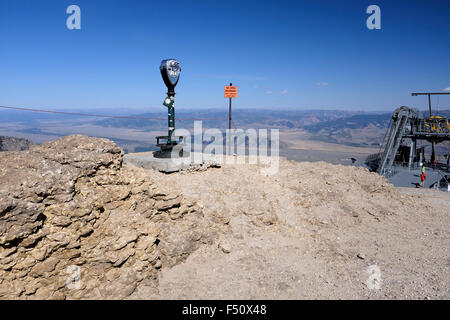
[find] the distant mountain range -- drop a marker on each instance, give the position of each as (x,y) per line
(242,118)
(354,128)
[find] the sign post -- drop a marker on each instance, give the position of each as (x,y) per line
(230,92)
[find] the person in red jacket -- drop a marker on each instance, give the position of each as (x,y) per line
(422,176)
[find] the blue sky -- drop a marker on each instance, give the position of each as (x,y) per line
(281,54)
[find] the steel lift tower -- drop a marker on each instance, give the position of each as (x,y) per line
(399,147)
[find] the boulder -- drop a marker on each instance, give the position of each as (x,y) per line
(75,223)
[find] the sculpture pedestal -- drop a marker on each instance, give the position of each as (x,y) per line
(148,160)
(170,148)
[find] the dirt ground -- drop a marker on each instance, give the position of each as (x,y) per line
(312,231)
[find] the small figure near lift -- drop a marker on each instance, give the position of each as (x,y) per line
(423,175)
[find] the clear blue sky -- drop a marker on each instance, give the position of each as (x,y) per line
(281,54)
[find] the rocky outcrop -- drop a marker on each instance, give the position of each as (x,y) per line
(75,223)
(14,144)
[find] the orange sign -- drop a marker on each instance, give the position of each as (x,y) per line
(230,91)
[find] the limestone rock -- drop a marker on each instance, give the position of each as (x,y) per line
(77,224)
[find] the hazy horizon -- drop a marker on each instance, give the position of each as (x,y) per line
(157,110)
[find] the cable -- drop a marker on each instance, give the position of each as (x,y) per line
(105,116)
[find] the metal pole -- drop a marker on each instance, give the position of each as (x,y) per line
(229,126)
(412,152)
(171,119)
(448,162)
(433,155)
(429,103)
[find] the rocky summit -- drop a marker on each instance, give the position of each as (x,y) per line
(14,144)
(76,222)
(69,210)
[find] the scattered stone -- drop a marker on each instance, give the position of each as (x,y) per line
(269,218)
(225,247)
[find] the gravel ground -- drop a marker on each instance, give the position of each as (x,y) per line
(312,231)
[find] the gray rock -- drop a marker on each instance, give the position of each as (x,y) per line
(14,144)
